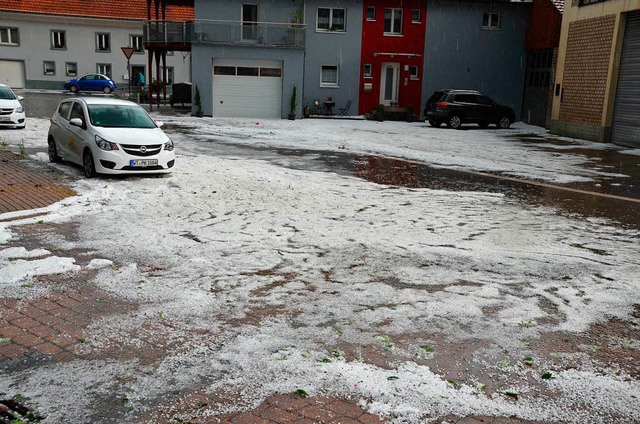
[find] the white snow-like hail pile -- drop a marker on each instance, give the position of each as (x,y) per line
(350,261)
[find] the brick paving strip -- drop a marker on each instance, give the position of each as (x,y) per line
(23,187)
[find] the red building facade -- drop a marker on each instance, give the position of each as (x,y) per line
(392,62)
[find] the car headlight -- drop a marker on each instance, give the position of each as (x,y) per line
(104,144)
(19,109)
(168,145)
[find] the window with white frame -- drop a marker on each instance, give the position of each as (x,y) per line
(331,19)
(415,16)
(58,40)
(371,13)
(9,36)
(135,41)
(368,70)
(415,73)
(49,67)
(103,42)
(393,21)
(491,21)
(104,69)
(329,76)
(71,69)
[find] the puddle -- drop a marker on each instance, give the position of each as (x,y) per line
(405,173)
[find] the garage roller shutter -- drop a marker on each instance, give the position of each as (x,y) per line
(625,129)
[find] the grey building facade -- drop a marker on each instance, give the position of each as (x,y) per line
(477,45)
(336,49)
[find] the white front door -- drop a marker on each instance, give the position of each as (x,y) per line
(389,83)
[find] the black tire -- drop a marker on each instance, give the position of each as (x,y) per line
(88,165)
(434,123)
(106,89)
(53,151)
(504,122)
(73,88)
(454,122)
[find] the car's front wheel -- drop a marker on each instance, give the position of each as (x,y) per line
(106,90)
(434,123)
(454,122)
(88,165)
(504,122)
(73,88)
(53,151)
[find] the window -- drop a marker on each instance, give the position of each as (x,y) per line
(58,40)
(246,71)
(49,67)
(63,110)
(224,70)
(76,112)
(415,73)
(586,2)
(393,21)
(415,16)
(371,13)
(169,74)
(71,69)
(367,70)
(331,19)
(491,21)
(270,72)
(329,76)
(9,36)
(104,69)
(135,41)
(103,42)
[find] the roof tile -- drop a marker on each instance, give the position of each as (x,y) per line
(109,9)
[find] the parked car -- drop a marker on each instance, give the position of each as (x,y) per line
(12,112)
(109,136)
(457,107)
(91,82)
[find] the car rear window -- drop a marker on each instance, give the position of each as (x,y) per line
(465,98)
(119,116)
(436,97)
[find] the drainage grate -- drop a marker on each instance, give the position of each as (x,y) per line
(13,412)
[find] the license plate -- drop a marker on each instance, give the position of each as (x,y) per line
(5,118)
(143,162)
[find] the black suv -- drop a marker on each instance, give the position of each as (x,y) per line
(457,107)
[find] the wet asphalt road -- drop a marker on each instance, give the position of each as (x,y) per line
(576,199)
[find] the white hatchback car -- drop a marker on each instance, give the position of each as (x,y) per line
(109,136)
(11,111)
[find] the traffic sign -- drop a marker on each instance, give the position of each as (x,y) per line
(128,51)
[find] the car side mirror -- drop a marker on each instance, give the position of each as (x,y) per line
(20,98)
(77,122)
(159,124)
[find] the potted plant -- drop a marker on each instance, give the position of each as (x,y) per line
(292,105)
(379,113)
(198,99)
(410,116)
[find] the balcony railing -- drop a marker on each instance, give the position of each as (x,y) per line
(266,34)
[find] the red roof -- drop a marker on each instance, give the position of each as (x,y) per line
(109,9)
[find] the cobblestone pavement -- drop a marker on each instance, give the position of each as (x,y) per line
(25,185)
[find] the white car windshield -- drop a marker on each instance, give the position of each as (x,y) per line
(119,116)
(6,94)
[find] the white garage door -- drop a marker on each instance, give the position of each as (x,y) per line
(12,73)
(247,88)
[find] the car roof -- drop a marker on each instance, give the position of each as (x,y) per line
(94,73)
(461,91)
(105,101)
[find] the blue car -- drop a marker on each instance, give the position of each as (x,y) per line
(91,82)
